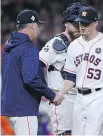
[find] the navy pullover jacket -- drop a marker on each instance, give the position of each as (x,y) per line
(22,87)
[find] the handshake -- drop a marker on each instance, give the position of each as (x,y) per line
(58,99)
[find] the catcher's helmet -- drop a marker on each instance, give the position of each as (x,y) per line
(72,12)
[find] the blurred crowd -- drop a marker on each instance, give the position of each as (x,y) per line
(49,11)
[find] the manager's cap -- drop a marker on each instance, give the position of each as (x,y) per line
(87,15)
(28,16)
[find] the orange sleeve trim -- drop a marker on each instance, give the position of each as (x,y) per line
(43,61)
(69,71)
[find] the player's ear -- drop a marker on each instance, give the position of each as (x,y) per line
(30,25)
(66,24)
(96,23)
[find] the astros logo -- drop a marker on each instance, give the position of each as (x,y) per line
(84,13)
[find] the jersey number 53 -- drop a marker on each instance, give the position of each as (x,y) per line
(94,73)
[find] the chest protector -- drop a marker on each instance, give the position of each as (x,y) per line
(59,46)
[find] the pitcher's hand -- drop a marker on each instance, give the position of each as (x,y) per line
(58,98)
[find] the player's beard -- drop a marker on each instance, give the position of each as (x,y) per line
(74,35)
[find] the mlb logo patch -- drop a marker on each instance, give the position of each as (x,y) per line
(98,50)
(32,18)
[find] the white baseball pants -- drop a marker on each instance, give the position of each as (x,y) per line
(27,125)
(88,114)
(61,115)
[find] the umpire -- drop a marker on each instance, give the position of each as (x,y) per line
(22,87)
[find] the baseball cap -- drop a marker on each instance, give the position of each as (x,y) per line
(72,12)
(87,15)
(28,16)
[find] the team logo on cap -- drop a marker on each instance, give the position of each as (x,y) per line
(84,13)
(33,18)
(98,50)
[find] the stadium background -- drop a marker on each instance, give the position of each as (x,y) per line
(51,12)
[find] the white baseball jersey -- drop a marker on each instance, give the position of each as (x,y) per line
(50,57)
(85,60)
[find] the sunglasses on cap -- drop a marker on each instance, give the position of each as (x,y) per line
(84,24)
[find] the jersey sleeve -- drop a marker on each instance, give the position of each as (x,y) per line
(47,54)
(70,67)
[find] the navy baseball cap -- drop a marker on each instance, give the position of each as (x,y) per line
(87,15)
(71,12)
(28,16)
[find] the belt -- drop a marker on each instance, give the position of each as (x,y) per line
(87,91)
(66,133)
(52,68)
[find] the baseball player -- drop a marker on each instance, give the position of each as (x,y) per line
(84,65)
(53,57)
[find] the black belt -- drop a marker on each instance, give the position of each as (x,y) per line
(87,91)
(52,68)
(68,132)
